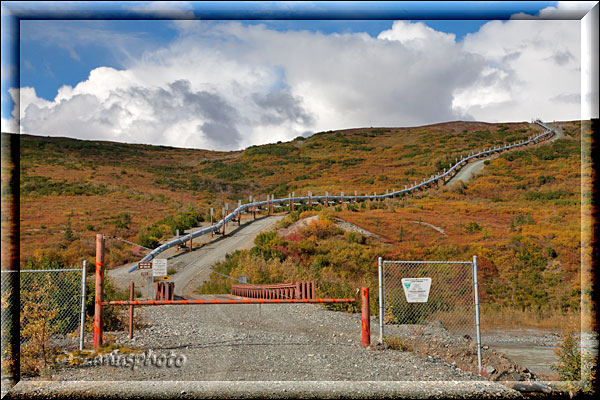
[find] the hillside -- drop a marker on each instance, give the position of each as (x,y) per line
(521,214)
(72,189)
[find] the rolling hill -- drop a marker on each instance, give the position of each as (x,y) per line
(521,214)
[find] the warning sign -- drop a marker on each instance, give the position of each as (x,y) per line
(159,267)
(416,290)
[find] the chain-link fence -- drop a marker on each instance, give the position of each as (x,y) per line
(51,307)
(417,293)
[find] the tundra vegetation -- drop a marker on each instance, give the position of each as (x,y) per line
(521,215)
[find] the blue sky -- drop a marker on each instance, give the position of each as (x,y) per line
(55,53)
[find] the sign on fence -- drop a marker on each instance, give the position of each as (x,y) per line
(416,290)
(159,267)
(415,293)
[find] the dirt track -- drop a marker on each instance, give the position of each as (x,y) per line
(193,268)
(474,167)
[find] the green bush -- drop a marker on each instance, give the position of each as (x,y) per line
(111,320)
(472,226)
(544,196)
(569,356)
(43,186)
(271,150)
(401,312)
(122,221)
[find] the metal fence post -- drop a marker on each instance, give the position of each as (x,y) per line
(82,324)
(99,295)
(380,270)
(476,295)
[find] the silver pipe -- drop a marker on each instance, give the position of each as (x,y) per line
(244,207)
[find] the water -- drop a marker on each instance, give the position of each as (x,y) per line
(536,358)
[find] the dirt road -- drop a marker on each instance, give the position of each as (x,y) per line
(193,268)
(474,167)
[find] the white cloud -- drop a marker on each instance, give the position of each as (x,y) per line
(563,10)
(9,125)
(166,9)
(417,35)
(535,68)
(227,86)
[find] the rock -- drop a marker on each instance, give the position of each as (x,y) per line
(516,376)
(489,369)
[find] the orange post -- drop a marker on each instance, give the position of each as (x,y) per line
(131,298)
(366,317)
(99,295)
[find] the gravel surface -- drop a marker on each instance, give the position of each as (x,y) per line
(264,390)
(281,350)
(265,342)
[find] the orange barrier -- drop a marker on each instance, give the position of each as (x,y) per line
(365,307)
(164,290)
(224,301)
(295,290)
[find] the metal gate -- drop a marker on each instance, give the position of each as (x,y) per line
(419,292)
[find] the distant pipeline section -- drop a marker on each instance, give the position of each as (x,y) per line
(426,183)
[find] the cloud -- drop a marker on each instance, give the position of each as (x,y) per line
(563,10)
(530,63)
(9,125)
(228,86)
(166,9)
(574,98)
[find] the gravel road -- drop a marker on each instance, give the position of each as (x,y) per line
(193,268)
(265,342)
(296,343)
(474,167)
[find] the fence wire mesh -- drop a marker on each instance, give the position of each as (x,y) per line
(450,300)
(50,308)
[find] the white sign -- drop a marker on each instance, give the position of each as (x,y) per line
(416,290)
(159,267)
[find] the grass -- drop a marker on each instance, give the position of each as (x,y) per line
(511,318)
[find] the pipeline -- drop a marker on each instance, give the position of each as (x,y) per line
(309,199)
